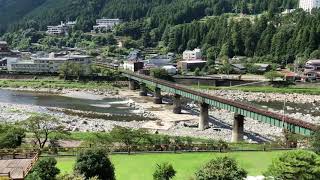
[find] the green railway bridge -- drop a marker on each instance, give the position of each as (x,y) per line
(240,109)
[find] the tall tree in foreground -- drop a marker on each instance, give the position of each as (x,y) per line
(164,171)
(221,168)
(294,165)
(95,163)
(41,126)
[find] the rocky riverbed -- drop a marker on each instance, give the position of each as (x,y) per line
(301,101)
(155,117)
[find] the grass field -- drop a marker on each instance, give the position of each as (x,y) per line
(138,167)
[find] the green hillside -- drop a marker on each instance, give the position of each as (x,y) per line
(13,10)
(44,12)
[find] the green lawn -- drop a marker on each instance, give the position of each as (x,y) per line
(137,167)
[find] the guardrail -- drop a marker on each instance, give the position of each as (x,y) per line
(33,162)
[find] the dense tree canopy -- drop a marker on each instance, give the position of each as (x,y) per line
(95,162)
(293,165)
(11,136)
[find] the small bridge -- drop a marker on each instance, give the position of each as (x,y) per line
(240,109)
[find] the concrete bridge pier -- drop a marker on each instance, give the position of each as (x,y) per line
(204,116)
(132,85)
(177,104)
(157,96)
(237,128)
(143,90)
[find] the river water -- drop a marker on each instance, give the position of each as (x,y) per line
(107,105)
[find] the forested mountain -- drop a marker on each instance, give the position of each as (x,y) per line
(262,32)
(13,10)
(39,13)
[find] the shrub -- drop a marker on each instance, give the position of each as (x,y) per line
(315,141)
(221,168)
(164,171)
(294,165)
(95,162)
(11,136)
(45,169)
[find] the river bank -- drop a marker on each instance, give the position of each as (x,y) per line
(145,114)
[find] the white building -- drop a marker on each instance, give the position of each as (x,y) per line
(158,60)
(50,64)
(172,70)
(308,5)
(60,29)
(192,55)
(105,24)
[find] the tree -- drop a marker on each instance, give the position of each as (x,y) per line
(11,136)
(315,54)
(164,171)
(33,176)
(65,70)
(221,168)
(212,53)
(161,74)
(127,136)
(225,68)
(293,165)
(192,43)
(252,68)
(95,162)
(272,75)
(68,69)
(197,72)
(315,141)
(45,169)
(41,126)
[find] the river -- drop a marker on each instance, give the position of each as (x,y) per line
(107,105)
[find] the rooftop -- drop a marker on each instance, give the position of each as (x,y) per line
(194,61)
(316,61)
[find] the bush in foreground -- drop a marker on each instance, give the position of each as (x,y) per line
(164,171)
(95,162)
(295,165)
(221,168)
(45,169)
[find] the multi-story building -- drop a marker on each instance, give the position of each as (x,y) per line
(105,24)
(50,64)
(192,55)
(60,29)
(308,5)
